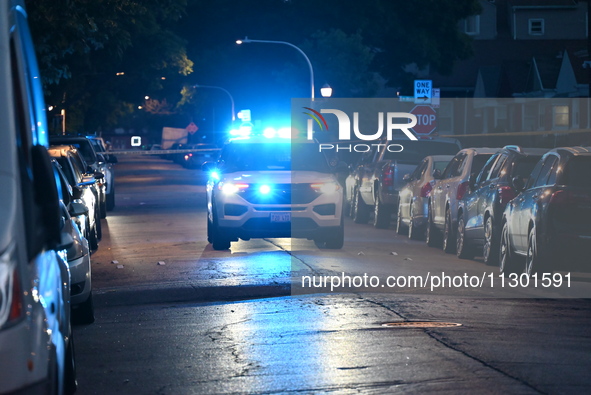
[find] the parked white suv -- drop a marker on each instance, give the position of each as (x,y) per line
(272,187)
(36,349)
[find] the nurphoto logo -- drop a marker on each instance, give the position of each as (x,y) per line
(393,121)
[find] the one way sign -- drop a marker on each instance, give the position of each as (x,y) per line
(423,91)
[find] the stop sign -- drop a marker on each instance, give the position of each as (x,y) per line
(426,119)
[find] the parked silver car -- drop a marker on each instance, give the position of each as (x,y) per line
(414,197)
(443,202)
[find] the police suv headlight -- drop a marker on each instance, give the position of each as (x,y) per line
(326,187)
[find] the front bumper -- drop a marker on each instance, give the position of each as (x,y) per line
(238,218)
(80,279)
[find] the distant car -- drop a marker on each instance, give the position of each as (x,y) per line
(380,181)
(83,186)
(272,187)
(481,209)
(205,153)
(414,197)
(106,166)
(98,163)
(549,222)
(448,191)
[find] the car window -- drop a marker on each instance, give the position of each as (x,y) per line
(549,163)
(534,174)
(577,172)
(418,173)
(452,169)
(496,170)
(440,165)
(478,162)
(483,175)
(524,165)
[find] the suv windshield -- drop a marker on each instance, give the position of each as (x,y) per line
(416,151)
(269,157)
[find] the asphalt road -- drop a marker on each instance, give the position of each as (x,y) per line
(238,321)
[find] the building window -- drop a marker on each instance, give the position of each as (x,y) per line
(561,116)
(536,27)
(472,25)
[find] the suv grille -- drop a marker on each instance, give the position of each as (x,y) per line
(282,194)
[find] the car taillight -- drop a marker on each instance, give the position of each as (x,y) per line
(506,194)
(462,189)
(426,190)
(388,177)
(16,307)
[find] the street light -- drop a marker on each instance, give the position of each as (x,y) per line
(326,91)
(248,40)
(222,89)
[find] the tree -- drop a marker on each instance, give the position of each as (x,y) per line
(100,57)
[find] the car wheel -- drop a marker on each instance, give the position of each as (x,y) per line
(463,248)
(71,384)
(401,229)
(507,261)
(103,206)
(432,237)
(84,312)
(382,214)
(361,211)
(218,241)
(448,234)
(111,199)
(92,237)
(490,249)
(335,240)
(99,229)
(534,263)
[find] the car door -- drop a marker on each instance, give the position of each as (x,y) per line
(472,198)
(443,186)
(528,201)
(486,193)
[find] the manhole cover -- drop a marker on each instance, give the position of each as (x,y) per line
(420,324)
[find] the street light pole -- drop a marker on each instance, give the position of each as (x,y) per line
(222,89)
(248,40)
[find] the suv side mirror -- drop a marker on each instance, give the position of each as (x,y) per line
(77,209)
(518,183)
(77,192)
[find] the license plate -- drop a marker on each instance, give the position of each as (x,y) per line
(280,217)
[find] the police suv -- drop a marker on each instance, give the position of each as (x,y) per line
(273,187)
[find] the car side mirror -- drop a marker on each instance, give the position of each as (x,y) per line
(518,183)
(98,175)
(77,192)
(77,209)
(406,178)
(437,174)
(472,180)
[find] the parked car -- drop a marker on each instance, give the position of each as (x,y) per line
(97,164)
(78,256)
(413,202)
(448,191)
(549,222)
(106,166)
(380,181)
(83,186)
(481,209)
(203,153)
(36,344)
